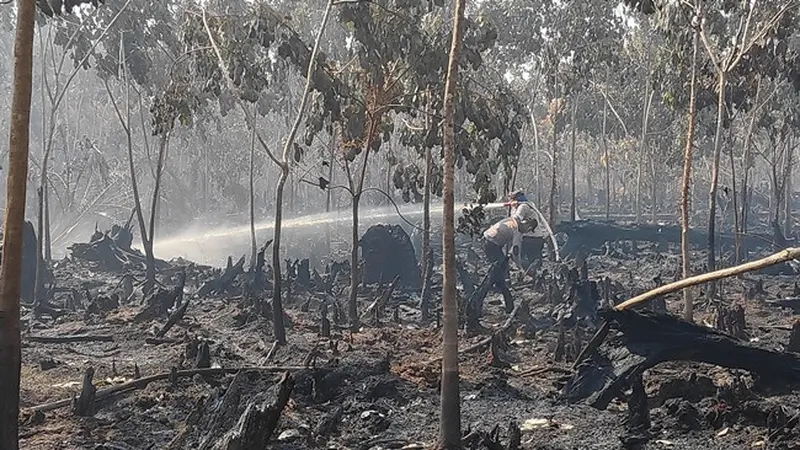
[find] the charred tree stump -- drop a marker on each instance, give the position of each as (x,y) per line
(466,279)
(224,416)
(514,436)
(84,404)
(325,324)
(203,360)
(794,338)
(388,252)
(638,412)
(257,281)
(304,274)
(159,303)
(258,423)
(497,348)
(732,321)
(225,281)
(491,440)
(474,304)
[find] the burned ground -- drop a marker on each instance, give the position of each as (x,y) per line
(378,388)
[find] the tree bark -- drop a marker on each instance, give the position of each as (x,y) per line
(688,301)
(722,77)
(572,205)
(11,269)
(279,328)
(554,162)
(427,260)
(450,419)
(607,159)
(253,241)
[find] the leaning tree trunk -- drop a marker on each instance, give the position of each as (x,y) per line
(712,196)
(11,269)
(450,419)
(688,301)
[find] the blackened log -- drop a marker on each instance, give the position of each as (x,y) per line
(646,339)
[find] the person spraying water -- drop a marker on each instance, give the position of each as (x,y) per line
(517,200)
(502,241)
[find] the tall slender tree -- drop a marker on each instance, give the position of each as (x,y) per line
(11,270)
(450,419)
(688,302)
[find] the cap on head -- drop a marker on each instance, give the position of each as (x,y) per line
(518,195)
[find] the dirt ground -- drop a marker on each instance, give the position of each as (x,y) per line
(377,389)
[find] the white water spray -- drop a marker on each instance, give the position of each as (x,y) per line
(212,246)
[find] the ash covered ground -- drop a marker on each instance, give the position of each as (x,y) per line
(377,389)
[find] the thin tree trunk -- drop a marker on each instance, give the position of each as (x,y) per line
(11,270)
(329,192)
(355,278)
(279,328)
(712,196)
(607,159)
(253,240)
(787,189)
(554,164)
(734,195)
(48,246)
(537,172)
(150,259)
(748,145)
(648,100)
(450,418)
(688,301)
(572,200)
(427,258)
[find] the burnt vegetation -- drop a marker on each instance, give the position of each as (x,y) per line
(261,224)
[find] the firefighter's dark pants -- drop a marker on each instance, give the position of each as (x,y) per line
(495,254)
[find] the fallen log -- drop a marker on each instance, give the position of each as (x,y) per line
(649,338)
(143,382)
(785,255)
(592,235)
(70,338)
